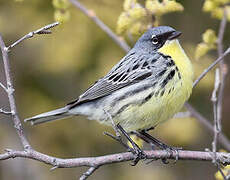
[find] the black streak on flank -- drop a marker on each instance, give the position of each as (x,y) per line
(168,78)
(169,91)
(122,109)
(179,76)
(162,92)
(149,97)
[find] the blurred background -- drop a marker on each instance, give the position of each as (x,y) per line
(52,70)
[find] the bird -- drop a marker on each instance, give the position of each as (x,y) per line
(145,88)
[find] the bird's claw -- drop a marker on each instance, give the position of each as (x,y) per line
(138,154)
(171,151)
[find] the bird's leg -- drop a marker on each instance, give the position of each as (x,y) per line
(144,135)
(117,137)
(139,154)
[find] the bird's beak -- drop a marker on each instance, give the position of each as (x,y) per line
(174,35)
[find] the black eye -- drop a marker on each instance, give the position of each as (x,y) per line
(155,40)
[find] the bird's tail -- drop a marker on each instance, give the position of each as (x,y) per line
(49,116)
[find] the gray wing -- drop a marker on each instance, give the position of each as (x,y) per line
(133,68)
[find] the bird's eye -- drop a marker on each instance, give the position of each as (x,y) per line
(155,40)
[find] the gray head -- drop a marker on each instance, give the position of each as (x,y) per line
(155,38)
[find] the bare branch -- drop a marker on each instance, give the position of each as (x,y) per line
(88,173)
(10,92)
(216,127)
(43,30)
(5,112)
(219,59)
(222,138)
(91,14)
(223,66)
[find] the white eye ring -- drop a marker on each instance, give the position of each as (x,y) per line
(154,39)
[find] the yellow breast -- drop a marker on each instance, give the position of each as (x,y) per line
(174,49)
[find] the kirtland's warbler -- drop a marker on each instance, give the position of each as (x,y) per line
(148,86)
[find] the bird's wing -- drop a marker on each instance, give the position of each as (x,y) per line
(132,69)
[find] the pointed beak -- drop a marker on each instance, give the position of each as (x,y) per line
(174,35)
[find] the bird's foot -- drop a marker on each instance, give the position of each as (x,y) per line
(171,150)
(155,142)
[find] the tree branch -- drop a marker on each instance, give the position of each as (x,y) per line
(91,14)
(221,157)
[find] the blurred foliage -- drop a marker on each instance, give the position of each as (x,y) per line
(209,43)
(61,13)
(217,8)
(137,18)
(51,70)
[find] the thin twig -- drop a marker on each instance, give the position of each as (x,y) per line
(88,173)
(219,59)
(216,118)
(4,87)
(5,112)
(43,30)
(222,138)
(91,14)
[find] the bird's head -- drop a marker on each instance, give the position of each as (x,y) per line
(156,38)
